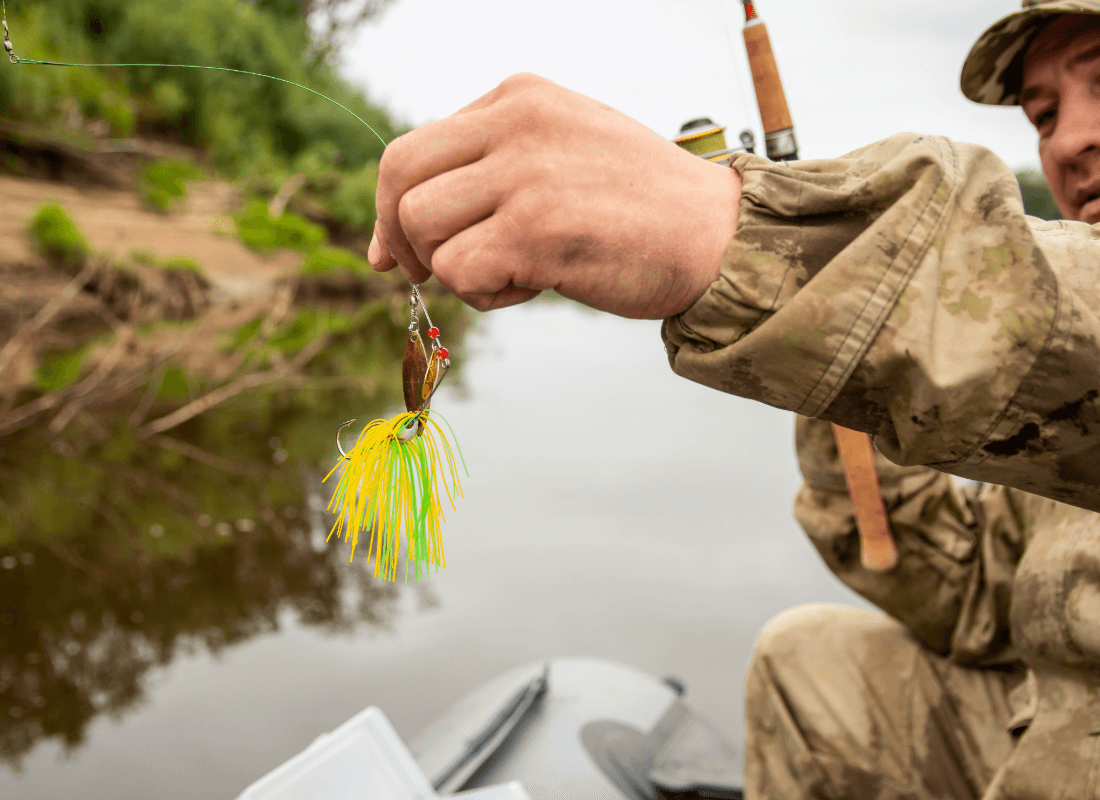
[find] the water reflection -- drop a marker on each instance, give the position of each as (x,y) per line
(84,622)
(123,546)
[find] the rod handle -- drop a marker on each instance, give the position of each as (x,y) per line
(770,97)
(877,551)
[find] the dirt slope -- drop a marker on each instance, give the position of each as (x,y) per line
(117,223)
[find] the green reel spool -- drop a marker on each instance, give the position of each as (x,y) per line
(702,137)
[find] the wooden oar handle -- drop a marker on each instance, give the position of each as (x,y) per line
(877,549)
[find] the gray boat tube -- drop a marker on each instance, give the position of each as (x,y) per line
(585,729)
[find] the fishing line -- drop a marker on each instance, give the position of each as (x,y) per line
(391,478)
(741,93)
(13,58)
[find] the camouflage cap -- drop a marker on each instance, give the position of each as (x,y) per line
(994,69)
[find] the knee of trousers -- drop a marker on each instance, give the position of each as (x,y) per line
(823,640)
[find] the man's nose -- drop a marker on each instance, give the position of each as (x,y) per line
(1077,133)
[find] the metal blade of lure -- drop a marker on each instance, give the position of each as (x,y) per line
(392,476)
(414,369)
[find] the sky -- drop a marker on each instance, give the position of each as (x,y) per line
(855,71)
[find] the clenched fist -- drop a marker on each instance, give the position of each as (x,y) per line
(535,187)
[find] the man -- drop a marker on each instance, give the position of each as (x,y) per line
(899,290)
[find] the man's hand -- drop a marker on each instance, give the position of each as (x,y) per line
(535,187)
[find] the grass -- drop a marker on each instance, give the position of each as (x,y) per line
(181,264)
(163,183)
(61,369)
(177,263)
(334,260)
(260,232)
(57,236)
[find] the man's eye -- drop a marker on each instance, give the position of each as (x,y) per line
(1045,118)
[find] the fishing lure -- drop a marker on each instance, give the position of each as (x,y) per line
(397,465)
(391,478)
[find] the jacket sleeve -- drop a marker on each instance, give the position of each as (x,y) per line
(958,547)
(901,290)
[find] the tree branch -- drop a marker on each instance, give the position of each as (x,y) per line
(47,312)
(218,396)
(206,457)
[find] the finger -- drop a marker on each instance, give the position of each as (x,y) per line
(481,271)
(378,253)
(385,261)
(440,208)
(416,157)
(508,296)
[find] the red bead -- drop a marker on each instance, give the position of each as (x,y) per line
(443,352)
(433,332)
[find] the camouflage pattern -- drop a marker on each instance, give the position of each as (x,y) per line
(900,290)
(844,704)
(952,695)
(993,71)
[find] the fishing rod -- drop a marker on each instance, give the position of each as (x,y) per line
(877,549)
(706,139)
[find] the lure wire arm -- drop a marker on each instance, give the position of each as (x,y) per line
(444,364)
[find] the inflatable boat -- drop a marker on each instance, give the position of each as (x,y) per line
(565,729)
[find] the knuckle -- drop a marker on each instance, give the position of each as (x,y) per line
(523,95)
(532,210)
(411,211)
(522,80)
(452,265)
(389,165)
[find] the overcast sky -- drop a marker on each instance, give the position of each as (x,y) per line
(855,71)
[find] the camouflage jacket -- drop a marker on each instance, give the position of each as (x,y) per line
(901,290)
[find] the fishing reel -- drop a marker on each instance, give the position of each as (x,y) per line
(702,137)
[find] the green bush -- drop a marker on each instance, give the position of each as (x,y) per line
(353,201)
(170,264)
(60,370)
(181,263)
(164,182)
(99,99)
(174,385)
(333,260)
(57,236)
(244,122)
(260,232)
(307,325)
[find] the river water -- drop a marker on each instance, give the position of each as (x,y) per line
(612,510)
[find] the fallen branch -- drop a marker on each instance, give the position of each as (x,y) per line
(206,457)
(85,387)
(278,203)
(109,390)
(47,312)
(218,396)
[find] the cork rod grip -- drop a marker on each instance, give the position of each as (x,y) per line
(770,97)
(877,550)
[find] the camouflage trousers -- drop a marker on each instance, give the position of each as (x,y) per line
(844,704)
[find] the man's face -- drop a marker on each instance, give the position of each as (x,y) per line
(1061,97)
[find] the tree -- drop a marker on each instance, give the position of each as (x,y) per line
(1038,199)
(332,21)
